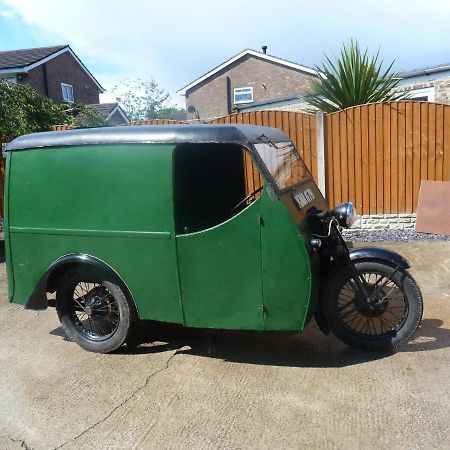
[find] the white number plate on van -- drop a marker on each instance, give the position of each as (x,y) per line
(304,198)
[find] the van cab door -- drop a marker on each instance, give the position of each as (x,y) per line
(219,253)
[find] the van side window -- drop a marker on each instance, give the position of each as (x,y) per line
(209,181)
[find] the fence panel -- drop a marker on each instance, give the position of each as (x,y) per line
(156,122)
(377,154)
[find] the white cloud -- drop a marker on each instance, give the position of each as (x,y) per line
(176,41)
(8,13)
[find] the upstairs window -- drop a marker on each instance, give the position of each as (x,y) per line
(243,95)
(67,92)
(11,79)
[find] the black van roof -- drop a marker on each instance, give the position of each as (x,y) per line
(151,134)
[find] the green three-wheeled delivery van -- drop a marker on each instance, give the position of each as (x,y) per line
(213,226)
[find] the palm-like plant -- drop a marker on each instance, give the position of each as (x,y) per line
(353,78)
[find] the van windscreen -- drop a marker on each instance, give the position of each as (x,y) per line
(283,163)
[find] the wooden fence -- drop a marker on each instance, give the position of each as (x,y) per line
(374,155)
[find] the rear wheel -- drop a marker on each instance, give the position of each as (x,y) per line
(384,319)
(93,310)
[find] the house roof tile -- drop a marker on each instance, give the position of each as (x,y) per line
(24,57)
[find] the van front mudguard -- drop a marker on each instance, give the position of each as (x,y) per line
(363,254)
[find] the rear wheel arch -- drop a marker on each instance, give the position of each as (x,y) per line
(52,277)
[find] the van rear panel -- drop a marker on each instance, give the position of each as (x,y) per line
(114,202)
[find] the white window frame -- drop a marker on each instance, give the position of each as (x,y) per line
(240,89)
(65,89)
(425,92)
(10,78)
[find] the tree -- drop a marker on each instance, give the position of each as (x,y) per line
(144,99)
(353,78)
(23,111)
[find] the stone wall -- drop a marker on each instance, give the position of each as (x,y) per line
(385,222)
(441,88)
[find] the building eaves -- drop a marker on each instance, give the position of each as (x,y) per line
(240,55)
(13,59)
(426,70)
(109,109)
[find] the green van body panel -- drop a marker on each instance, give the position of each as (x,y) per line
(286,268)
(9,271)
(220,273)
(116,203)
(111,202)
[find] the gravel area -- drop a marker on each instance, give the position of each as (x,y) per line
(391,236)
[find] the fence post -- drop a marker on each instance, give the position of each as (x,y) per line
(320,121)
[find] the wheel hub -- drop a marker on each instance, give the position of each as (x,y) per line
(375,305)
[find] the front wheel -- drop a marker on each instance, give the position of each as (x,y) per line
(386,317)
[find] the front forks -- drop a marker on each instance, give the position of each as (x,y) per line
(359,284)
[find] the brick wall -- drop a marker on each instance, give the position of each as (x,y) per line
(269,80)
(441,88)
(63,69)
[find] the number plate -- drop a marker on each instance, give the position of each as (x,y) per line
(303,198)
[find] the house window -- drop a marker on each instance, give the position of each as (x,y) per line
(425,95)
(11,79)
(243,95)
(67,92)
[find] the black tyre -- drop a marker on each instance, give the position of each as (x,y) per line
(386,319)
(93,310)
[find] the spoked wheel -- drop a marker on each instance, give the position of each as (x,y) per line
(384,318)
(93,310)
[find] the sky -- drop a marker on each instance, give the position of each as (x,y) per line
(176,41)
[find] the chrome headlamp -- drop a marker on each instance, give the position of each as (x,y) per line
(345,214)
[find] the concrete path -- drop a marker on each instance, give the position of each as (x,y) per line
(208,389)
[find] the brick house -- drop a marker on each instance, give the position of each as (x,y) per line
(429,83)
(248,80)
(113,113)
(54,72)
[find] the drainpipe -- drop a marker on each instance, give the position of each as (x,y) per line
(44,67)
(228,95)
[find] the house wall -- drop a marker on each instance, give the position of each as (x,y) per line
(441,88)
(62,69)
(269,80)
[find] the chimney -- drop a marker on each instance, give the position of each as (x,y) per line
(264,49)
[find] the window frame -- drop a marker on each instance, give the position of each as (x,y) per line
(423,92)
(250,88)
(10,78)
(64,87)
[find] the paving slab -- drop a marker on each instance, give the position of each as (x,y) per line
(228,389)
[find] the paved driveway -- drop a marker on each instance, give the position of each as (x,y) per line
(207,389)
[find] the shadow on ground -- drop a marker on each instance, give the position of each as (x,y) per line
(308,349)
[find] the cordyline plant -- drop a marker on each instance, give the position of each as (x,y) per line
(353,78)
